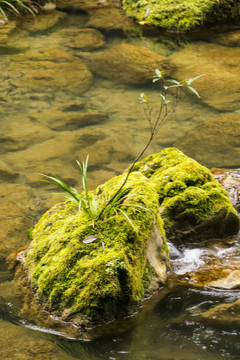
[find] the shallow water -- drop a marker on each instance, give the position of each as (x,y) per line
(168,327)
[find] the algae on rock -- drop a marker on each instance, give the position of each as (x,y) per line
(182,15)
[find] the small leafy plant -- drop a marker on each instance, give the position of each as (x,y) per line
(89,202)
(165,110)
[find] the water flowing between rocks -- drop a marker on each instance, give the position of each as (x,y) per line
(45,128)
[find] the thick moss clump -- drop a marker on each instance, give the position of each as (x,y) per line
(194,206)
(88,283)
(182,14)
(107,277)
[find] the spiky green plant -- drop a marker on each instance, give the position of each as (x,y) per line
(89,202)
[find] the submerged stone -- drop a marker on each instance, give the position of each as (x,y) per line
(50,69)
(42,22)
(222,133)
(84,39)
(129,64)
(219,65)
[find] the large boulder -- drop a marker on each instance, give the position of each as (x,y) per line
(182,15)
(81,272)
(193,205)
(90,283)
(129,64)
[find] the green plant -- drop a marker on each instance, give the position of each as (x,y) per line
(165,110)
(85,200)
(89,202)
(102,208)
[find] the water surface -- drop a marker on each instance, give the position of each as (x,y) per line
(38,137)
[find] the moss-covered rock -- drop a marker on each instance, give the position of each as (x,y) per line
(194,206)
(108,277)
(182,14)
(86,272)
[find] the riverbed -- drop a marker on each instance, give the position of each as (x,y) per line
(46,128)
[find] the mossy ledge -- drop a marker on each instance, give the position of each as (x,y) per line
(182,15)
(90,284)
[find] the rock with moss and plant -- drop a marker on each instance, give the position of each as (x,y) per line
(183,15)
(87,270)
(89,264)
(96,256)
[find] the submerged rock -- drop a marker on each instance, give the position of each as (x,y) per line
(231,38)
(49,69)
(222,133)
(182,15)
(219,65)
(129,64)
(42,22)
(84,39)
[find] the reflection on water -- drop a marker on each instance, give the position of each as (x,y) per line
(45,129)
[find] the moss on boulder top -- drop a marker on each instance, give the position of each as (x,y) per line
(193,205)
(182,14)
(88,281)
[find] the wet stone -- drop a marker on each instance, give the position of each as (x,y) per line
(84,39)
(49,70)
(222,133)
(6,30)
(129,64)
(108,19)
(228,39)
(42,22)
(219,65)
(65,121)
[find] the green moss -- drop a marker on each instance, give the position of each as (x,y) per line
(112,272)
(91,278)
(182,14)
(188,192)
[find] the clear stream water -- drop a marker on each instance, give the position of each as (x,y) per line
(168,326)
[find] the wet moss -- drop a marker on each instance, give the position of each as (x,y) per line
(182,15)
(188,194)
(106,277)
(92,278)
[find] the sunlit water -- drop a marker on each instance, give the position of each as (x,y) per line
(168,327)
